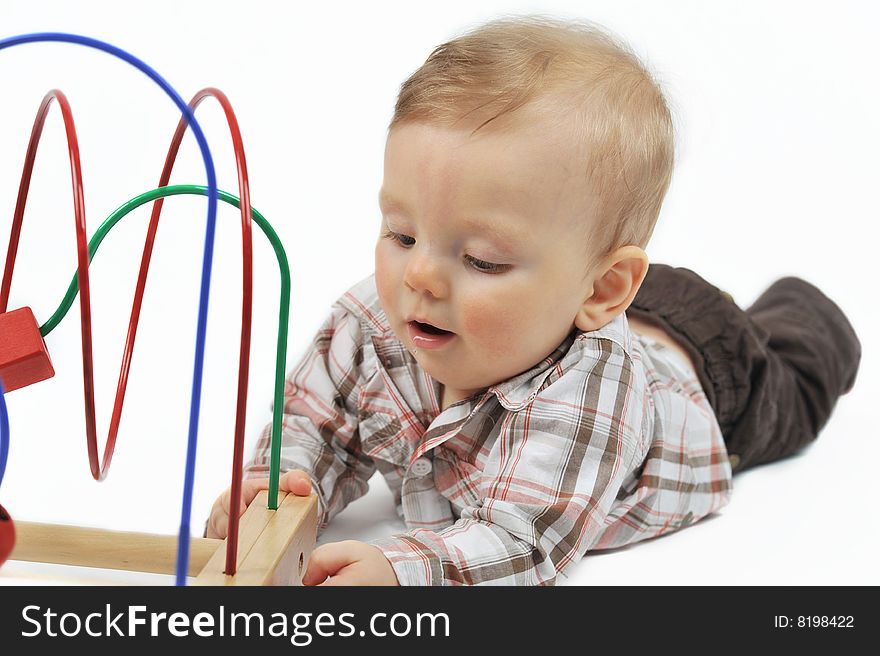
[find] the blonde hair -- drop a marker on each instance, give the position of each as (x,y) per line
(620,113)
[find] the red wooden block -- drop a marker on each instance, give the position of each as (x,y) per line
(23,355)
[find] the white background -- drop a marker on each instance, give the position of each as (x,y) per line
(776,106)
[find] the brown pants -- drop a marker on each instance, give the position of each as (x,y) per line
(772,372)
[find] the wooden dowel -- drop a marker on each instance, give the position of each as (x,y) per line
(281,554)
(93,547)
(273,545)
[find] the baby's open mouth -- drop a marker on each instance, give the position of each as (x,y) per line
(428,328)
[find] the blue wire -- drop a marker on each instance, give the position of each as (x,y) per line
(207,260)
(4,432)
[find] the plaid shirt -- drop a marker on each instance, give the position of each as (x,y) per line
(607,441)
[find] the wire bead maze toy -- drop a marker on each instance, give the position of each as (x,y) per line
(270,543)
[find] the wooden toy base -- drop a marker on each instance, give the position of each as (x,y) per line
(273,546)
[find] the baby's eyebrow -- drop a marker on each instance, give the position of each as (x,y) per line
(389,202)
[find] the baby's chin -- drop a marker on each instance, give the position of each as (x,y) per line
(453,380)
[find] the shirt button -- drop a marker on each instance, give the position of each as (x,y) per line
(421,467)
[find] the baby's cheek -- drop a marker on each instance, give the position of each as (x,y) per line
(385,279)
(492,324)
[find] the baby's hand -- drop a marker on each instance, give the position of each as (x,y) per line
(349,563)
(296,481)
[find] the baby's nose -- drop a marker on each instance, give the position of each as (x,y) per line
(424,274)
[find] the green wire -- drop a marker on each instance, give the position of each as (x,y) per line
(283,313)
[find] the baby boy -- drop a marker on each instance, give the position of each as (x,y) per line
(522,402)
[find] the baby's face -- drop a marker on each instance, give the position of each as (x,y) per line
(481,262)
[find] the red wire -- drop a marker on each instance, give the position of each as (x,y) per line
(82,252)
(246,306)
(99,472)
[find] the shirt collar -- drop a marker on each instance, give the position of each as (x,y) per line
(518,392)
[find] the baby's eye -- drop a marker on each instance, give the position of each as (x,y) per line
(404,240)
(486,267)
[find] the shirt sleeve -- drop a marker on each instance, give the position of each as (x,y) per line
(550,482)
(319,430)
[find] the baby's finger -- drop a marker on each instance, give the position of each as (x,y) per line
(225,500)
(297,482)
(250,487)
(218,520)
(326,561)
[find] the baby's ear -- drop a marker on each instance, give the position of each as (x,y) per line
(616,282)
